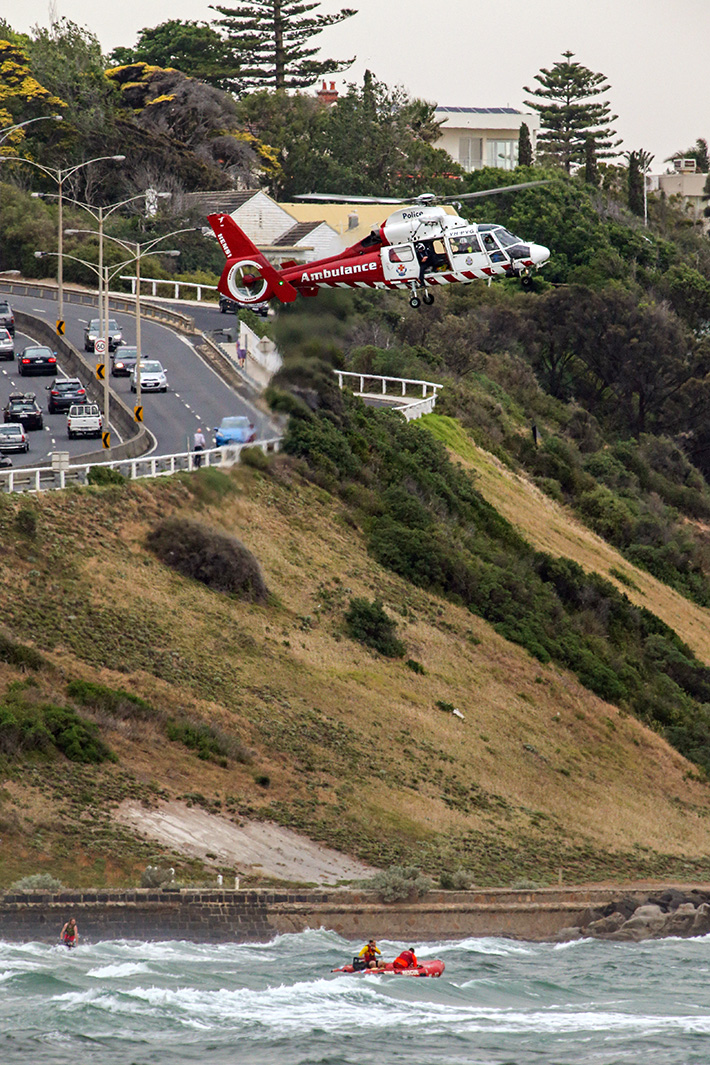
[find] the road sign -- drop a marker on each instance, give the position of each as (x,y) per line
(100,346)
(101,370)
(106,439)
(61,326)
(138,414)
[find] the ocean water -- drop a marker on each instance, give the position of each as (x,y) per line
(499,1002)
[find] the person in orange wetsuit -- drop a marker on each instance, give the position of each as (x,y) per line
(371,955)
(406,960)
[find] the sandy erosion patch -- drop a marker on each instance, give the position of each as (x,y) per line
(257,847)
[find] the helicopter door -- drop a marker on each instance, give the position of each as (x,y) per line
(466,252)
(493,250)
(399,263)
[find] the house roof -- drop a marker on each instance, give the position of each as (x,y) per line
(226,201)
(482,110)
(297,233)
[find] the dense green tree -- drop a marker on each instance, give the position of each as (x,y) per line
(194,48)
(635,184)
(67,59)
(525,152)
(271,39)
(22,95)
(569,112)
(372,141)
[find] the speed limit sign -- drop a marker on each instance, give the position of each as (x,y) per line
(100,346)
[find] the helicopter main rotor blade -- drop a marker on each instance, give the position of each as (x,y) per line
(325,197)
(492,192)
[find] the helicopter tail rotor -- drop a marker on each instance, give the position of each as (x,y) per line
(248,277)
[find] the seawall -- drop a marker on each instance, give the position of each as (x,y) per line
(257,916)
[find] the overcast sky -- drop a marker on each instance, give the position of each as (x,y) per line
(480,53)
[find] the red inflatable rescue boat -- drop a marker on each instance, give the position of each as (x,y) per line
(435,967)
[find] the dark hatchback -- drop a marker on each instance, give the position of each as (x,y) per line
(63,392)
(37,360)
(23,407)
(123,362)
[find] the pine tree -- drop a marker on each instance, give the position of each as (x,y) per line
(591,169)
(271,37)
(569,113)
(525,152)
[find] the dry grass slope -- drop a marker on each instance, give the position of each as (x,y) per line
(348,746)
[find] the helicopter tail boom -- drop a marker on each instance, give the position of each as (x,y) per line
(248,276)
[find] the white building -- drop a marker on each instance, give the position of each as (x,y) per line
(484,136)
(688,184)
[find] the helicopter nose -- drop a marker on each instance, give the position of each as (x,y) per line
(539,254)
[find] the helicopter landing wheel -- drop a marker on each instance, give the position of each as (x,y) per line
(527,282)
(414,301)
(428,298)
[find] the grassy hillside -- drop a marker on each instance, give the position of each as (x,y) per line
(295,721)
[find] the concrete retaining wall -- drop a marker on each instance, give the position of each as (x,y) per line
(257,916)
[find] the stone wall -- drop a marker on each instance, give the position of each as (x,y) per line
(257,916)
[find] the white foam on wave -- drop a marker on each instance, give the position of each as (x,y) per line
(119,969)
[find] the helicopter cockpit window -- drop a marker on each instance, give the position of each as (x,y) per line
(494,252)
(505,238)
(403,254)
(465,245)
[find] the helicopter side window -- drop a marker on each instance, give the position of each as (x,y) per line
(467,245)
(402,254)
(494,252)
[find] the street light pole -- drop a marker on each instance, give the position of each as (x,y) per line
(59,175)
(137,251)
(8,130)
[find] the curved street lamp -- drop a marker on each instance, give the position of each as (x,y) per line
(99,214)
(139,249)
(7,130)
(59,176)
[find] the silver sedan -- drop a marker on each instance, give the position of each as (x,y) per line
(7,344)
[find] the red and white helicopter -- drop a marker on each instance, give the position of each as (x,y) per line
(417,247)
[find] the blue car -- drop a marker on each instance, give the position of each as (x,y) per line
(236,429)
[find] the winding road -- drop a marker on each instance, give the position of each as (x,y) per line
(197,395)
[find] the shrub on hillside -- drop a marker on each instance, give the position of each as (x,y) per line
(207,741)
(457,880)
(220,561)
(156,876)
(37,882)
(104,475)
(368,623)
(28,728)
(115,702)
(399,882)
(18,654)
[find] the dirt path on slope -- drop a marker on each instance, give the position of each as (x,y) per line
(256,848)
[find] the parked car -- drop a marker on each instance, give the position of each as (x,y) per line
(63,392)
(235,429)
(93,331)
(153,377)
(13,438)
(7,344)
(123,361)
(84,419)
(23,407)
(7,318)
(36,360)
(227,306)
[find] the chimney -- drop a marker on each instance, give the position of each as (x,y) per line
(326,95)
(353,220)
